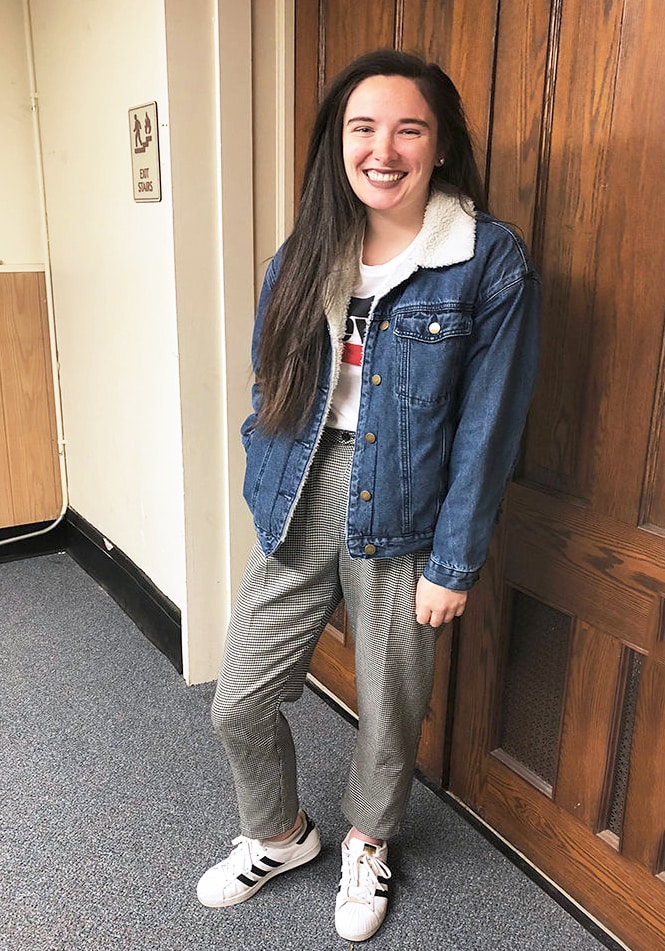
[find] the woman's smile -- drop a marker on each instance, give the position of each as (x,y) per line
(379,177)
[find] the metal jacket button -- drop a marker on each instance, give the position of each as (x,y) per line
(434,327)
(370,437)
(365,495)
(370,549)
(376,379)
(384,325)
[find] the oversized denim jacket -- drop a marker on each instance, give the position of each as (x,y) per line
(448,372)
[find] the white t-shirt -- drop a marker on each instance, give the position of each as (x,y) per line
(346,398)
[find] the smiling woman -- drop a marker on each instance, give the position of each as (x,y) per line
(390,148)
(395,349)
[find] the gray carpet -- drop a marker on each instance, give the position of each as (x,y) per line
(115,797)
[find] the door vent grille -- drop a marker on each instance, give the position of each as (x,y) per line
(533,688)
(617,803)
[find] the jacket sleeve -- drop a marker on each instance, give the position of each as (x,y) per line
(268,283)
(496,390)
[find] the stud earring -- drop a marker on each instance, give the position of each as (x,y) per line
(441,161)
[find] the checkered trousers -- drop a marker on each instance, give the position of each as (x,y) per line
(283,604)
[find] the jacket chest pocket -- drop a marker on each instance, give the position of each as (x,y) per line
(430,353)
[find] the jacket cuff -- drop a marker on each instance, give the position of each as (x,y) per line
(450,578)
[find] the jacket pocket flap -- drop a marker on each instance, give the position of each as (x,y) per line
(434,326)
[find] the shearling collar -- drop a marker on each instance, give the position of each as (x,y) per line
(448,236)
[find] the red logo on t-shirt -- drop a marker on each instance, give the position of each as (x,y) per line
(356,327)
(352,353)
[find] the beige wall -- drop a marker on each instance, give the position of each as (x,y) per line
(20,205)
(209,66)
(113,277)
(154,303)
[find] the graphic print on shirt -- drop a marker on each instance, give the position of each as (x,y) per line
(356,328)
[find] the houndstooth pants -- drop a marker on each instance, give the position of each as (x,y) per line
(282,607)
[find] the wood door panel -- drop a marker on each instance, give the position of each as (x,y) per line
(6,499)
(631,278)
(564,416)
(332,666)
(617,891)
(520,73)
(589,728)
(421,26)
(599,570)
(32,492)
(652,512)
(480,656)
(350,28)
(462,42)
(644,823)
(308,84)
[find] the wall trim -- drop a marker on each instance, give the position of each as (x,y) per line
(158,618)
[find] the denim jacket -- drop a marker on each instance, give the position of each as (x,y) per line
(448,372)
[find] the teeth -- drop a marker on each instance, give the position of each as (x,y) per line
(375,176)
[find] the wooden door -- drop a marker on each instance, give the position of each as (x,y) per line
(558,700)
(559,731)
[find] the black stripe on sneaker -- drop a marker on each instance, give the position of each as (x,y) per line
(270,862)
(309,825)
(246,881)
(259,871)
(379,893)
(380,878)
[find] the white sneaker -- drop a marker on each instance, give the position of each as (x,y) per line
(252,863)
(362,899)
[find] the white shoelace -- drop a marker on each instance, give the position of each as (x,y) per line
(240,858)
(360,878)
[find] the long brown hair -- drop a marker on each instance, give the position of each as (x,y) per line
(329,218)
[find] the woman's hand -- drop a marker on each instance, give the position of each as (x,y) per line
(436,605)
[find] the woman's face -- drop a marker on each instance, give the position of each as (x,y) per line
(389,145)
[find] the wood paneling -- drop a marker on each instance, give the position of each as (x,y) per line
(588,726)
(652,513)
(616,890)
(644,823)
(564,419)
(350,28)
(631,278)
(462,42)
(585,563)
(31,489)
(518,123)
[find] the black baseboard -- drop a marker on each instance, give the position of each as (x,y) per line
(50,541)
(152,612)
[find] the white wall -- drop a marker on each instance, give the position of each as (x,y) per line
(209,62)
(113,277)
(154,302)
(20,205)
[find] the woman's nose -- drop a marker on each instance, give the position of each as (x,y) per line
(384,149)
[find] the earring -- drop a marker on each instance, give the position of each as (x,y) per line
(441,161)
